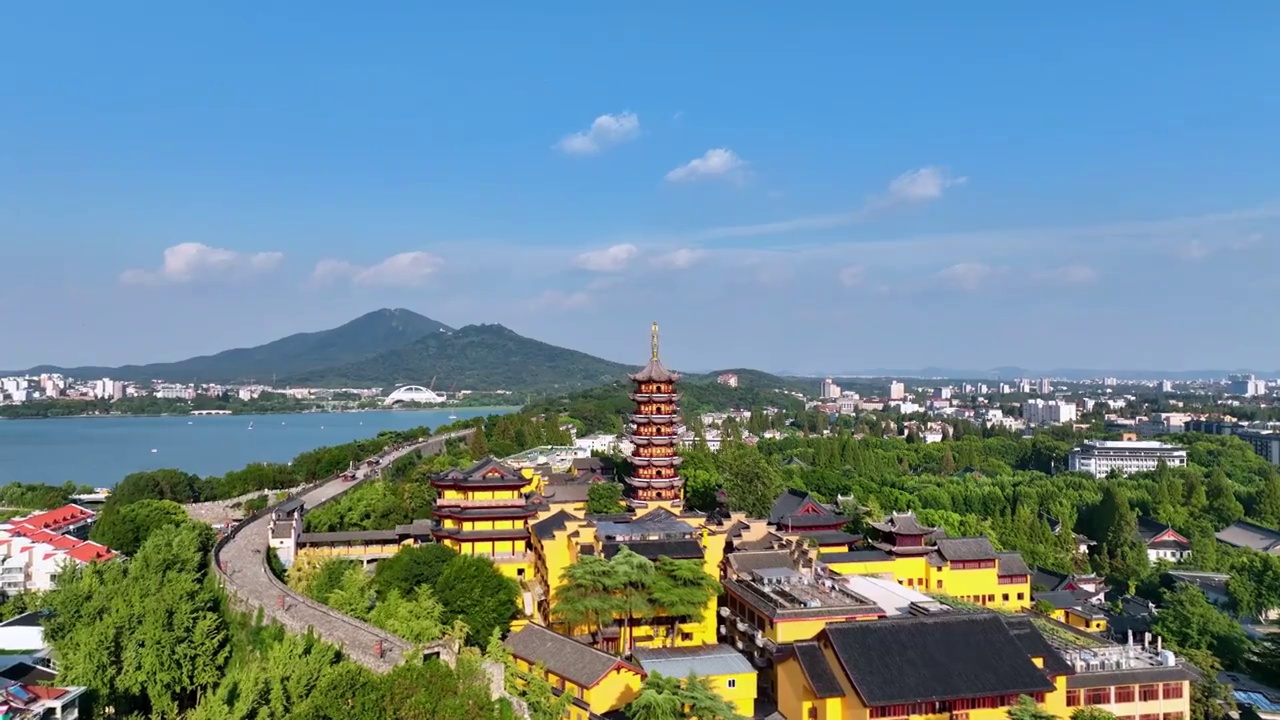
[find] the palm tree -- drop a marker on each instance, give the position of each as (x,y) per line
(585,596)
(682,589)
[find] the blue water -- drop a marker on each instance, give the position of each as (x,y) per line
(99,451)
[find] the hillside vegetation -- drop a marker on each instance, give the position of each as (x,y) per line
(476,357)
(367,335)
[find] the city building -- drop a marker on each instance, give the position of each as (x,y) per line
(655,478)
(728,379)
(1265,443)
(1037,411)
(848,403)
(1166,386)
(1100,457)
(1162,423)
(1045,386)
(285,529)
(36,548)
(1068,608)
(1246,385)
(942,393)
(829,389)
(897,391)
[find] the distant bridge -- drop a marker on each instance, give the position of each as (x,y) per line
(413,393)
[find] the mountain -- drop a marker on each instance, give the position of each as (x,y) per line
(368,335)
(475,357)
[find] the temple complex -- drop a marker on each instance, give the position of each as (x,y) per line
(654,478)
(486,510)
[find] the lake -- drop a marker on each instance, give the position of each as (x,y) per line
(99,451)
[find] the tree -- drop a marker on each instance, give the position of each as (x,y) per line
(605,498)
(472,589)
(682,589)
(1121,550)
(633,577)
(417,618)
(1224,507)
(585,595)
(668,698)
(478,446)
(1187,621)
(1027,709)
(1092,713)
(146,636)
(125,528)
(411,567)
(1267,508)
(751,481)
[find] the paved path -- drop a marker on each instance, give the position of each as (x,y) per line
(241,563)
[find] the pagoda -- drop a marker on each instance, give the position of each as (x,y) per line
(654,432)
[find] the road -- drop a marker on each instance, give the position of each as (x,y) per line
(240,561)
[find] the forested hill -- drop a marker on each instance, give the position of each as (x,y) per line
(475,357)
(367,335)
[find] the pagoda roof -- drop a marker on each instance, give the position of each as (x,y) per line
(488,471)
(655,371)
(903,524)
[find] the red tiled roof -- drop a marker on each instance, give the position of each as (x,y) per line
(45,692)
(90,552)
(54,519)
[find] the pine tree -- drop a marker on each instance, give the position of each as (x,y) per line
(478,447)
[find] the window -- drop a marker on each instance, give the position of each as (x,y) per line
(1021,596)
(1004,597)
(1097,696)
(1148,692)
(813,713)
(1125,694)
(1151,716)
(1172,691)
(1073,698)
(939,584)
(1173,716)
(731,683)
(911,582)
(991,597)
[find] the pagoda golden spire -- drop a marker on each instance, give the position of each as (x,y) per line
(654,341)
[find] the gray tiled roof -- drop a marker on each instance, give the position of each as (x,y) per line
(934,658)
(1011,563)
(580,664)
(1135,676)
(702,661)
(969,548)
(1245,534)
(746,562)
(817,671)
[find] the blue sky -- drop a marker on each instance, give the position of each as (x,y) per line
(830,187)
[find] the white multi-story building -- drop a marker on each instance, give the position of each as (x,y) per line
(1163,424)
(1045,386)
(897,390)
(942,393)
(830,389)
(1166,386)
(848,403)
(1100,457)
(1246,384)
(1037,411)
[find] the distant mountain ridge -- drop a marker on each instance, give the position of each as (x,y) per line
(475,357)
(368,335)
(1011,372)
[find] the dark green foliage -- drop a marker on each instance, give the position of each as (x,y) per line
(1026,709)
(1187,621)
(369,334)
(125,528)
(410,568)
(477,357)
(473,590)
(145,636)
(605,498)
(38,497)
(669,698)
(169,484)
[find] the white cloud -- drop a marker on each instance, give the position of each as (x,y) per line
(407,269)
(1077,274)
(195,262)
(852,276)
(967,276)
(926,183)
(605,131)
(914,186)
(681,259)
(611,259)
(721,163)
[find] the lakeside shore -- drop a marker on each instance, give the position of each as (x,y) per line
(192,413)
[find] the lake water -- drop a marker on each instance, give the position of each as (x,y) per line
(99,451)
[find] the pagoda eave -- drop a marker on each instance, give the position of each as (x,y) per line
(655,397)
(656,462)
(653,440)
(656,483)
(653,419)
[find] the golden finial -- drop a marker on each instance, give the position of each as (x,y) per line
(654,341)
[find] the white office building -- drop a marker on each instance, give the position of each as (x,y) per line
(1048,412)
(1162,423)
(1045,386)
(830,389)
(897,390)
(1246,385)
(1100,457)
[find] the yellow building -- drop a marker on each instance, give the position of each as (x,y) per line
(485,510)
(560,539)
(949,666)
(966,568)
(1068,609)
(725,669)
(596,681)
